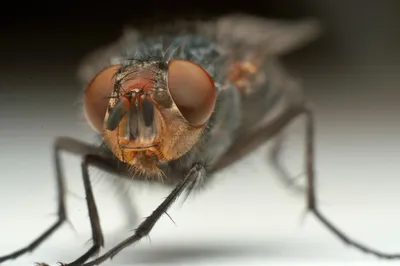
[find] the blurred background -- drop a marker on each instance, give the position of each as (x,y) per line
(247,217)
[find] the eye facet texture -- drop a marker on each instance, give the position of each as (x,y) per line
(192,90)
(97,95)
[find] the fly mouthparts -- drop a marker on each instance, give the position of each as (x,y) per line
(138,148)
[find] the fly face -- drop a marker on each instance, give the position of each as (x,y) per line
(156,111)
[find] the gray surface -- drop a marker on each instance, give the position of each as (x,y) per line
(247,217)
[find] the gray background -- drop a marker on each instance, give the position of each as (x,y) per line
(247,217)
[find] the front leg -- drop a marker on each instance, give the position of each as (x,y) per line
(91,156)
(195,175)
(97,235)
(76,147)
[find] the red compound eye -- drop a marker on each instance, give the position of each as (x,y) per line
(192,90)
(95,99)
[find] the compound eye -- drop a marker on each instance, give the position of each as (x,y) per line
(192,90)
(97,95)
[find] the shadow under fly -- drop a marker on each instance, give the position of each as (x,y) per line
(177,103)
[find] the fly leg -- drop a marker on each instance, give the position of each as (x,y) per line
(194,176)
(247,144)
(276,161)
(312,202)
(125,200)
(87,151)
(241,147)
(97,234)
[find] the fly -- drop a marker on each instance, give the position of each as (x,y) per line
(176,104)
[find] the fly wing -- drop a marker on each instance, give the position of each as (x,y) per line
(271,37)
